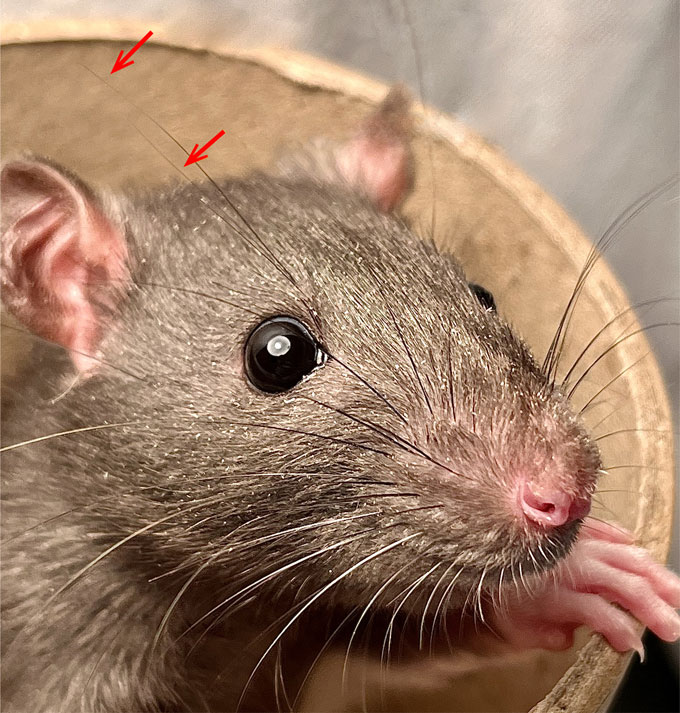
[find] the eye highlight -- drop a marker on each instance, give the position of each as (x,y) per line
(279,353)
(484,296)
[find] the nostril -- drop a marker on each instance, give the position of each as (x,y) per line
(548,507)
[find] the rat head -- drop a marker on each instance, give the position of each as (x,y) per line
(286,388)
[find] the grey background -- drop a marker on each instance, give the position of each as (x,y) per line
(583,95)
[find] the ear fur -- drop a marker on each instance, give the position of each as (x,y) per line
(377,161)
(64,261)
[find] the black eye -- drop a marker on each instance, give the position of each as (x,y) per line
(484,296)
(279,353)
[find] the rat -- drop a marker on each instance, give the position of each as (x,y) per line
(272,412)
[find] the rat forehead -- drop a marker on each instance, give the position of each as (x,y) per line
(289,246)
(263,223)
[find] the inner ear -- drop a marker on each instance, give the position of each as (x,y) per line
(64,262)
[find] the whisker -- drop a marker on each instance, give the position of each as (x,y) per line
(617,490)
(83,571)
(417,63)
(198,293)
(363,614)
(71,432)
(264,250)
(606,417)
(610,382)
(395,613)
(449,362)
(283,683)
(400,334)
(322,523)
(189,582)
(628,214)
(317,595)
(604,328)
(632,430)
(327,643)
(612,347)
(370,387)
(389,435)
(480,591)
(100,557)
(369,496)
(421,632)
(301,432)
(284,568)
(443,605)
(408,353)
(293,474)
(586,526)
(94,357)
(79,508)
(642,466)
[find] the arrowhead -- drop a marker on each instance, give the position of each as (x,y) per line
(195,156)
(122,62)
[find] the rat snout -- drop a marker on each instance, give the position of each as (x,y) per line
(548,506)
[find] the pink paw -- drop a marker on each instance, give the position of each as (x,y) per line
(604,569)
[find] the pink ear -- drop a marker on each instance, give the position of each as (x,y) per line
(64,263)
(378,160)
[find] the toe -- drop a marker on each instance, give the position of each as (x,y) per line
(631,591)
(635,560)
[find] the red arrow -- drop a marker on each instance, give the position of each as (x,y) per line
(123,62)
(195,155)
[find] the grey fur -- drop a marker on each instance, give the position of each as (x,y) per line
(240,484)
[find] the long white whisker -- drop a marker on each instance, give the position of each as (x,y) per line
(412,588)
(189,582)
(428,602)
(100,427)
(441,606)
(365,611)
(315,597)
(266,578)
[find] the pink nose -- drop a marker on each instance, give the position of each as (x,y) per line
(552,507)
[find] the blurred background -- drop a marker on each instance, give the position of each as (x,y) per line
(582,95)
